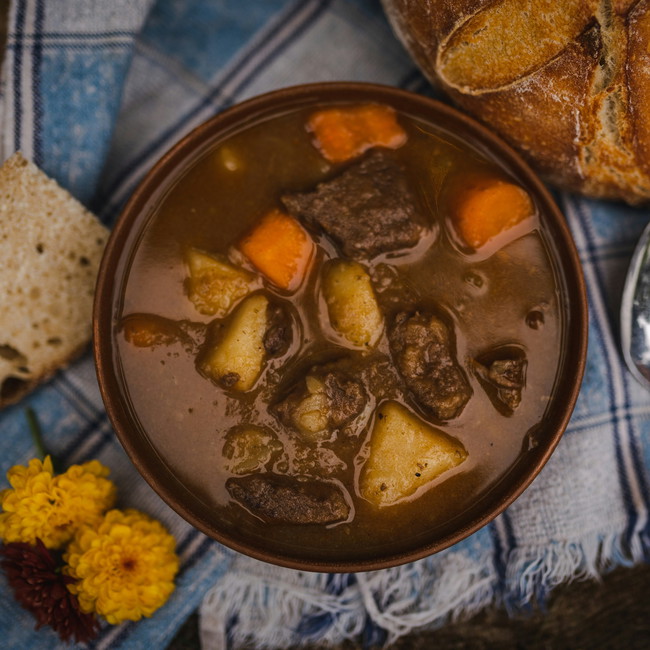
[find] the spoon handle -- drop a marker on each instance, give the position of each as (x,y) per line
(635,312)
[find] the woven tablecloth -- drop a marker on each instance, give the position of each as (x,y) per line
(94,91)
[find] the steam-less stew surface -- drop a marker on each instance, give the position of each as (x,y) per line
(340,328)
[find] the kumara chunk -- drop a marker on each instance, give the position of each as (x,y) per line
(149,330)
(405,454)
(214,285)
(342,133)
(503,377)
(287,500)
(280,248)
(366,210)
(236,359)
(422,348)
(351,303)
(322,403)
(248,448)
(487,207)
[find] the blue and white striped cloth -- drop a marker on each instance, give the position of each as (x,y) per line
(93,92)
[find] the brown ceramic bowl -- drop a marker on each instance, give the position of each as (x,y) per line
(157,466)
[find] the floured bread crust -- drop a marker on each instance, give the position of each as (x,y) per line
(567,82)
(50,247)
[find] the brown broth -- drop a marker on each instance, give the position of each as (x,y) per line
(487,298)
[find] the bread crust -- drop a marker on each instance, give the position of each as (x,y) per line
(553,146)
(637,70)
(567,82)
(27,385)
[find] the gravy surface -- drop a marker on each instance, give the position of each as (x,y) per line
(506,296)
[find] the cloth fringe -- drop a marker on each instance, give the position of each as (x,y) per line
(272,607)
(420,595)
(532,573)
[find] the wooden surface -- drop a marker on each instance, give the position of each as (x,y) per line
(613,614)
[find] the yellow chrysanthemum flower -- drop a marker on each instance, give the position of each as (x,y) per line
(124,568)
(40,504)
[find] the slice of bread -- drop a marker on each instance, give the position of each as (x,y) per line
(50,247)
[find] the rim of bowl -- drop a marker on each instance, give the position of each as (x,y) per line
(181,155)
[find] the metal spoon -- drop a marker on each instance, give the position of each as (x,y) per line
(635,312)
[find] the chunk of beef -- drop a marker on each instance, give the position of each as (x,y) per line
(504,379)
(367,210)
(314,461)
(422,348)
(322,402)
(278,333)
(285,500)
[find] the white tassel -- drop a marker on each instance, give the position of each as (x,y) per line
(271,604)
(419,595)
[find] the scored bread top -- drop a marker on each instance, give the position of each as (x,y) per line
(50,247)
(503,43)
(566,82)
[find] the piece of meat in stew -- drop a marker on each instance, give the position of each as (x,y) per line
(321,403)
(423,351)
(367,209)
(282,499)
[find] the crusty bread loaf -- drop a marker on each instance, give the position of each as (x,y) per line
(567,82)
(50,247)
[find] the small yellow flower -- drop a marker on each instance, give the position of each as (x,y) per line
(124,568)
(41,505)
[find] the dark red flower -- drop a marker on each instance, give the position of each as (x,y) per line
(39,586)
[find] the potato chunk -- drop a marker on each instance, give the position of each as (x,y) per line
(405,454)
(351,303)
(321,404)
(248,448)
(235,361)
(310,414)
(214,285)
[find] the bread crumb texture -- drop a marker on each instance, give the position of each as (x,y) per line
(50,247)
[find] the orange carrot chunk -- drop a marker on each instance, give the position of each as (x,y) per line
(148,330)
(346,132)
(489,207)
(279,247)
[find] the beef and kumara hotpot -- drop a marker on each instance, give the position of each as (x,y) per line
(339,327)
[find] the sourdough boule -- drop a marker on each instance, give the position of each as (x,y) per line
(566,82)
(50,247)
